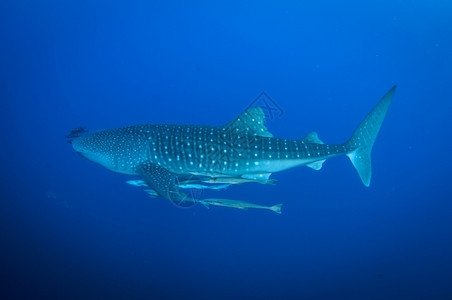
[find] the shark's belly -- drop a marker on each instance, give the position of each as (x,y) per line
(252,167)
(277,165)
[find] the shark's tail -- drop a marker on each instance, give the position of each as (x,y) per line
(364,137)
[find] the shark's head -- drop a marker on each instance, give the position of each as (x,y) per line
(93,147)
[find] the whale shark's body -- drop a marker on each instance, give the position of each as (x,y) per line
(241,151)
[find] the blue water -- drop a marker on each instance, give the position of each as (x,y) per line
(70,229)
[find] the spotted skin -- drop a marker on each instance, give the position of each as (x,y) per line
(195,149)
(242,148)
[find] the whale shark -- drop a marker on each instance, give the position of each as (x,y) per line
(169,158)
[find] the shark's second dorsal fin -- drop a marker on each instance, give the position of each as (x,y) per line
(313,138)
(251,120)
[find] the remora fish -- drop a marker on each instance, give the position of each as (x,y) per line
(243,149)
(221,202)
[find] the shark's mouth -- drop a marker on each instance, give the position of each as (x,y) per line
(81,155)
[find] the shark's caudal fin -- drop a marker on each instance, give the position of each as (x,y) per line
(364,137)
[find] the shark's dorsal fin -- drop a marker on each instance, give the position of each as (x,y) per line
(312,137)
(251,120)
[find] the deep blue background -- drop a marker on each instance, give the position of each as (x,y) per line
(71,229)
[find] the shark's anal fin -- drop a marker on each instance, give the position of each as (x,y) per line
(317,165)
(313,138)
(162,181)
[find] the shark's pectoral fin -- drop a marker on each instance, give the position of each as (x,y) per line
(162,181)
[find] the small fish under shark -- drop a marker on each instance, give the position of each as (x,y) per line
(173,157)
